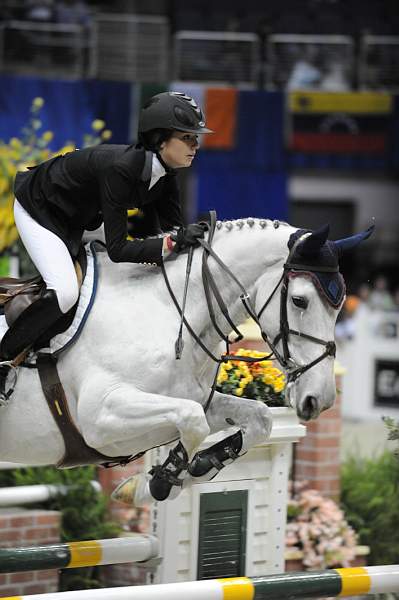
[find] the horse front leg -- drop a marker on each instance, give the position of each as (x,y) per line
(127,421)
(254,420)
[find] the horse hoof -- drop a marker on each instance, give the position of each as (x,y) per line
(134,491)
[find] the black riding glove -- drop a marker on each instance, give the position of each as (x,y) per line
(187,236)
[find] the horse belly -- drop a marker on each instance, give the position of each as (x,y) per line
(28,433)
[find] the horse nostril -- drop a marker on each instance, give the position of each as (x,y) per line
(309,408)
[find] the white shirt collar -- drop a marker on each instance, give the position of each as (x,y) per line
(157,171)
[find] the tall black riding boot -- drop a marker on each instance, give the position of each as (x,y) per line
(31,324)
(26,329)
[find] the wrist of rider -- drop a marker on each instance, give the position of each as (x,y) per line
(170,244)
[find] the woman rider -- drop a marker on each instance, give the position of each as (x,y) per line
(59,199)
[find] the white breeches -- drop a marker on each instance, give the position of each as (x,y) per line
(50,256)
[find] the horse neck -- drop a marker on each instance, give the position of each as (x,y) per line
(249,250)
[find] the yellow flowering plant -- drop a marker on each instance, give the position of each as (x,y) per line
(258,380)
(31,149)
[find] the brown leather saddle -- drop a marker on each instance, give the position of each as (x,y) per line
(15,296)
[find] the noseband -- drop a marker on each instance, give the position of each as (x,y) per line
(286,361)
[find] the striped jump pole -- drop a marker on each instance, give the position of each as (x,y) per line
(311,584)
(70,555)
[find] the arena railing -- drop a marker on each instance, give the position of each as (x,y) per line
(46,49)
(216,57)
(132,47)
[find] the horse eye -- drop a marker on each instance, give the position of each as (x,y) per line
(300,302)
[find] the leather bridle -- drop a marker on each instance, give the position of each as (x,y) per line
(284,358)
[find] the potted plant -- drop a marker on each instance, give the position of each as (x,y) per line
(318,535)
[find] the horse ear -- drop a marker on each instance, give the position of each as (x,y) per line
(353,241)
(312,244)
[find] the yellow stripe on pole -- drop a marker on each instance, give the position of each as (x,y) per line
(346,102)
(237,588)
(85,554)
(354,581)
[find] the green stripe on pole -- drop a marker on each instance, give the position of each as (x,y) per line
(311,584)
(15,560)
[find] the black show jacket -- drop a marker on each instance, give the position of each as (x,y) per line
(84,188)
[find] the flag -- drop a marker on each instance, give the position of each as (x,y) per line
(339,122)
(221,116)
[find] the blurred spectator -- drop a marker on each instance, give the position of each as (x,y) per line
(73,12)
(306,74)
(39,10)
(334,79)
(380,298)
(364,292)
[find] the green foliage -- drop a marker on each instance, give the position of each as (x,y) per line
(393,431)
(370,498)
(84,512)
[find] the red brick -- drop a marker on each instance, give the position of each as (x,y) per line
(22,521)
(322,455)
(44,519)
(315,471)
(5,522)
(10,535)
(8,591)
(34,533)
(53,533)
(3,579)
(20,577)
(49,575)
(35,588)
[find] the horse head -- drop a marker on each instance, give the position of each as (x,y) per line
(312,292)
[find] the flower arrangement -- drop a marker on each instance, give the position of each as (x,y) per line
(317,527)
(259,380)
(31,149)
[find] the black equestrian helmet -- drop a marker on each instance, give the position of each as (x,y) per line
(172,110)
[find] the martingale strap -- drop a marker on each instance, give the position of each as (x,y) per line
(77,452)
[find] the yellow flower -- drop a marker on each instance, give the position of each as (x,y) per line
(38,102)
(268,379)
(265,363)
(222,377)
(15,143)
(106,134)
(98,124)
(238,391)
(48,136)
(278,386)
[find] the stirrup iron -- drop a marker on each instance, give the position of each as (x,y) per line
(5,394)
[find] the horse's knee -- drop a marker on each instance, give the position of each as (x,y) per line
(264,416)
(257,426)
(192,423)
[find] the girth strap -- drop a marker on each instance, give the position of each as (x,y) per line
(77,452)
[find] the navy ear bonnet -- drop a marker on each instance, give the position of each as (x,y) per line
(318,257)
(330,285)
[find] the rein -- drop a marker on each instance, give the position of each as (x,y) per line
(293,369)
